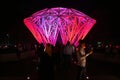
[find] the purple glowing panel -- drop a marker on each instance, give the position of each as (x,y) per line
(72,25)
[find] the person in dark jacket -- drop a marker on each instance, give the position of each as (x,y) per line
(46,64)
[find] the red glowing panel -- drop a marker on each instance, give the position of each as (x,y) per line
(72,25)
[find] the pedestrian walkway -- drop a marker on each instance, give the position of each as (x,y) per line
(99,67)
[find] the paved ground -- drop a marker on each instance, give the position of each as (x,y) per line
(99,67)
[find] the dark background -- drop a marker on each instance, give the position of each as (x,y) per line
(14,11)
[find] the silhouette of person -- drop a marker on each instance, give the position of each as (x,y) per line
(46,64)
(68,51)
(39,53)
(19,50)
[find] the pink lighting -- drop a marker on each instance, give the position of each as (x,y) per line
(72,25)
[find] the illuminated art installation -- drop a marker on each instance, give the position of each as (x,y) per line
(72,25)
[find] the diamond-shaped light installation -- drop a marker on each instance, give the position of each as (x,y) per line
(72,25)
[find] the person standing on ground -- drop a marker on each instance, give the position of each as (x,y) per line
(68,51)
(46,71)
(81,60)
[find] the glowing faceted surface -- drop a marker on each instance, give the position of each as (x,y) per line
(72,25)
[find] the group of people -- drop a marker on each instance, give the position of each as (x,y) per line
(46,65)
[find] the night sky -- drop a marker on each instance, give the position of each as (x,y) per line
(13,12)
